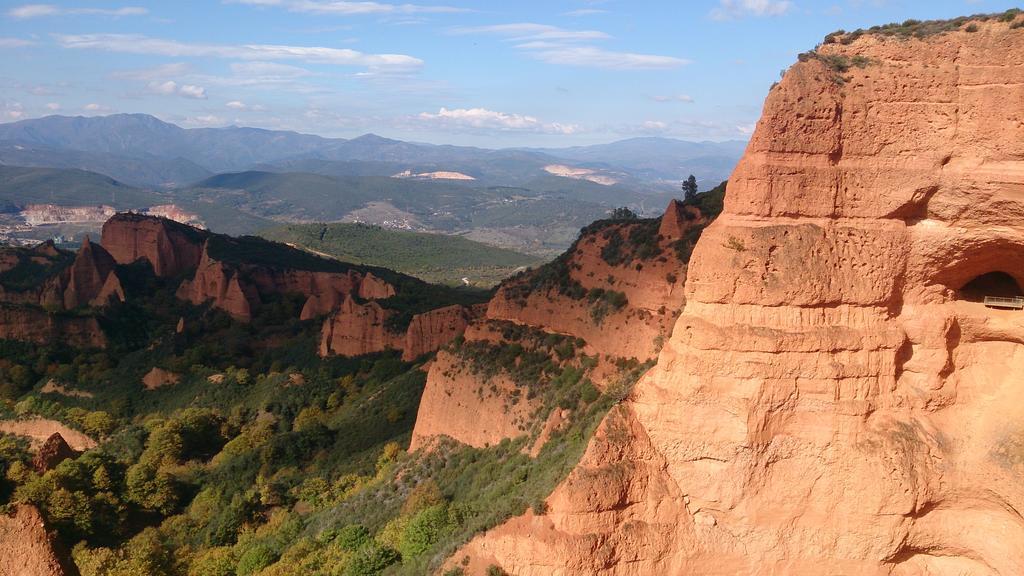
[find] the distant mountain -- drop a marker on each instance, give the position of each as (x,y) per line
(142,136)
(20,186)
(145,172)
(145,151)
(661,158)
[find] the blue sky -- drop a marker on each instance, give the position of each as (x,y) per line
(490,73)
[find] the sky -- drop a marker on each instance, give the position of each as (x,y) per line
(486,73)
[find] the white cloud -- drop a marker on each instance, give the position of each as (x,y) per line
(139,44)
(192,91)
(484,119)
(175,69)
(746,129)
(730,9)
(26,11)
(239,105)
(14,43)
(94,107)
(675,98)
(343,8)
(593,57)
(52,106)
(555,45)
(205,120)
(11,110)
(585,12)
(172,88)
(268,69)
(527,31)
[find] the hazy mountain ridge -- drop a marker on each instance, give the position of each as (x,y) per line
(142,150)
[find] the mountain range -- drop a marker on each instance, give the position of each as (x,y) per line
(141,150)
(244,180)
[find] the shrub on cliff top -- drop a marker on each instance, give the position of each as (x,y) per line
(922,29)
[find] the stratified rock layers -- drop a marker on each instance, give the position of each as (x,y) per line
(825,404)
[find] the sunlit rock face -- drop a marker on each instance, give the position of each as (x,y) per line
(830,401)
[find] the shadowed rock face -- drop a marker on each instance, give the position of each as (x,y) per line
(54,451)
(356,329)
(171,248)
(826,404)
(91,279)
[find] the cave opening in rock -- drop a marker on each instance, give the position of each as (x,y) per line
(996,283)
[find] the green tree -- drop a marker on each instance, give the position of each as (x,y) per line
(371,559)
(623,213)
(424,529)
(255,559)
(690,188)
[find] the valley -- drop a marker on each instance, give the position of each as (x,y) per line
(278,354)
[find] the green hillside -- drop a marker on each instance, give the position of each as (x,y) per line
(20,186)
(432,257)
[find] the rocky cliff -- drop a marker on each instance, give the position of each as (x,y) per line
(830,401)
(34,324)
(619,287)
(170,247)
(356,329)
(38,284)
(91,280)
(617,291)
(26,547)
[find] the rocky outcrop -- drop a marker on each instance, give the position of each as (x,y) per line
(356,329)
(825,404)
(158,378)
(629,260)
(679,218)
(429,331)
(54,451)
(170,247)
(91,280)
(219,284)
(27,548)
(618,290)
(456,404)
(31,324)
(240,287)
(373,288)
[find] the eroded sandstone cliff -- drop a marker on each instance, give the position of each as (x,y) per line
(830,401)
(27,548)
(170,247)
(617,292)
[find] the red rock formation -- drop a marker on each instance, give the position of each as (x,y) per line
(679,219)
(357,329)
(27,548)
(651,283)
(54,451)
(652,287)
(825,405)
(431,330)
(170,247)
(91,279)
(373,288)
(456,404)
(31,324)
(320,304)
(217,282)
